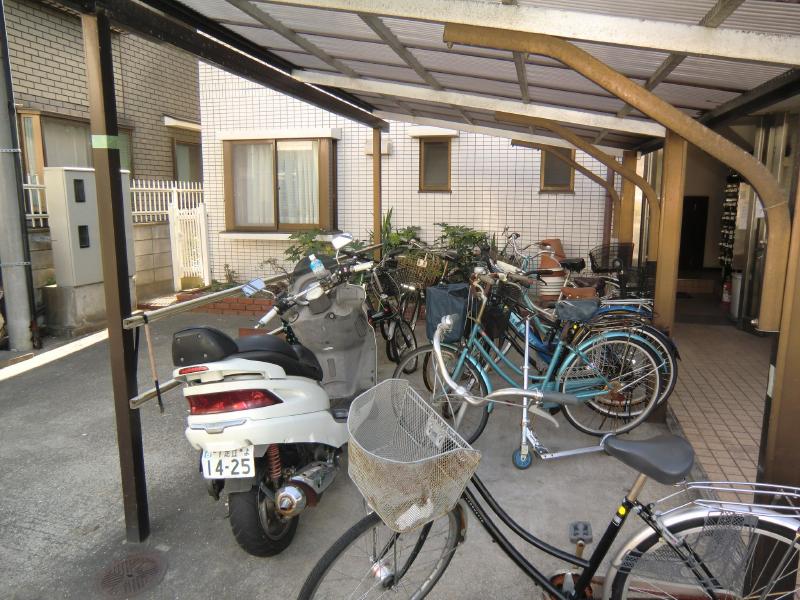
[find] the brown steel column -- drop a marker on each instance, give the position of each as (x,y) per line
(780,446)
(377,211)
(111,212)
(612,206)
(673,182)
(625,233)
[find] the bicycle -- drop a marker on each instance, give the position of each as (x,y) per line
(615,374)
(385,311)
(418,477)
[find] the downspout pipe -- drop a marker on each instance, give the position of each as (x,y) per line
(647,190)
(15,253)
(774,201)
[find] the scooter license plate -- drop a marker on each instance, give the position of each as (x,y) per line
(227,464)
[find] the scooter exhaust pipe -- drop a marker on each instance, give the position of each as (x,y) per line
(304,488)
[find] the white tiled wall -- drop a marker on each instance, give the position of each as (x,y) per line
(493,183)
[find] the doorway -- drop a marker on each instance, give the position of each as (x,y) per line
(693,233)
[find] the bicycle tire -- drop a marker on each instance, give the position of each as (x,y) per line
(410,303)
(621,411)
(715,543)
(474,418)
(315,586)
(404,341)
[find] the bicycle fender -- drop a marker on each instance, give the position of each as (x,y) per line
(461,514)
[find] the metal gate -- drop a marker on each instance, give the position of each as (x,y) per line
(188,232)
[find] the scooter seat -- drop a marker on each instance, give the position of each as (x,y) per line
(295,359)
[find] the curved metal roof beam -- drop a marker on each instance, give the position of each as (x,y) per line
(775,203)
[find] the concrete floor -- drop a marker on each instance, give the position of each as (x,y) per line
(61,517)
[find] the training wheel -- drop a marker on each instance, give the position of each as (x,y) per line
(519,461)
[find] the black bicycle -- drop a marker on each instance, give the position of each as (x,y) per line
(717,540)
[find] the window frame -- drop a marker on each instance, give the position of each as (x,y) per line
(543,187)
(326,180)
(423,186)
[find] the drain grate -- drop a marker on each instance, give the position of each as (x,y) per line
(132,575)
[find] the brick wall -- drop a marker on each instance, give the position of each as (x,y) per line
(152,80)
(493,183)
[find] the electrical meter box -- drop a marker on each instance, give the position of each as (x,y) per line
(74,225)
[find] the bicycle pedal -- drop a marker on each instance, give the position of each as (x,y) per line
(580,531)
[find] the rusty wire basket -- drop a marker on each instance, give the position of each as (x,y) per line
(419,270)
(404,458)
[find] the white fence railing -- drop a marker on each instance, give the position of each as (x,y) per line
(150,200)
(35,204)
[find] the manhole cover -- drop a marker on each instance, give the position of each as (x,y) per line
(132,575)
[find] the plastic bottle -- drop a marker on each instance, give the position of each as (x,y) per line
(316,266)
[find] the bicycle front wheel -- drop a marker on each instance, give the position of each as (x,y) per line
(372,561)
(618,380)
(419,368)
(738,556)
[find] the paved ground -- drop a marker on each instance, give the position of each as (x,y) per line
(719,396)
(61,517)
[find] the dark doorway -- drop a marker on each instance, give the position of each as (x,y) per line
(693,233)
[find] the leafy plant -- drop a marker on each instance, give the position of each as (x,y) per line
(462,239)
(230,274)
(391,237)
(305,243)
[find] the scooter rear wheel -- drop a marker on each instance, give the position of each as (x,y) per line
(257,529)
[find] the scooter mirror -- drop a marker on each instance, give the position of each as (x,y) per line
(251,288)
(341,240)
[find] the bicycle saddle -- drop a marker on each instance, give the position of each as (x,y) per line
(576,265)
(666,458)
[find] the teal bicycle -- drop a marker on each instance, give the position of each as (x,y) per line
(614,375)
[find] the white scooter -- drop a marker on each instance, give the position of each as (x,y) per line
(260,406)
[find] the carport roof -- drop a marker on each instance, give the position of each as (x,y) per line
(698,55)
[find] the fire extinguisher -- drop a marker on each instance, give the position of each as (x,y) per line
(726,294)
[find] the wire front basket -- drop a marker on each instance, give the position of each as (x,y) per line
(406,461)
(420,271)
(611,258)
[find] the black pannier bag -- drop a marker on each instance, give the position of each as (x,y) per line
(442,300)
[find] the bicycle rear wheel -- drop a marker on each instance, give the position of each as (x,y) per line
(619,382)
(746,556)
(371,561)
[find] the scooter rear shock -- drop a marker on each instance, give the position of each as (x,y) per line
(274,463)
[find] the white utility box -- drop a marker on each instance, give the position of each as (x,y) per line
(75,228)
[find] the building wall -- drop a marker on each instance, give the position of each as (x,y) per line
(493,183)
(705,176)
(152,80)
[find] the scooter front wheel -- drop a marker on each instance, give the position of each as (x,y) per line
(256,526)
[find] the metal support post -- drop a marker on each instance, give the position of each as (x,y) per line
(14,257)
(780,444)
(377,211)
(673,183)
(110,208)
(625,221)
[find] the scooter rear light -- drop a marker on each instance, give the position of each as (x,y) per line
(208,404)
(189,370)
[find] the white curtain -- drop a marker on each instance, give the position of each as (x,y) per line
(298,181)
(253,189)
(66,143)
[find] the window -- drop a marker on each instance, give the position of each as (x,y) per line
(188,162)
(54,142)
(274,185)
(66,143)
(555,174)
(434,164)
